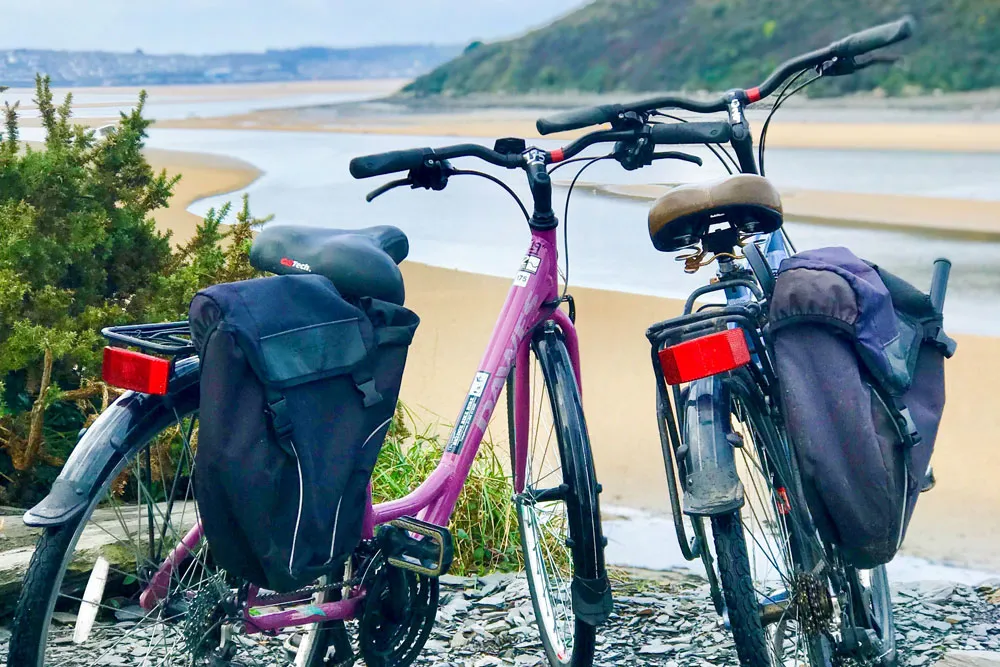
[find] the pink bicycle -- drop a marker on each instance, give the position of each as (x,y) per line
(122,548)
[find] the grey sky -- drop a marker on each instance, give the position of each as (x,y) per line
(206,26)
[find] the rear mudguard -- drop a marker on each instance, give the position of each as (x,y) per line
(126,425)
(711,483)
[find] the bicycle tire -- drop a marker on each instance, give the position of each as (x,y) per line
(44,579)
(738,591)
(586,541)
(871,599)
(881,596)
(738,578)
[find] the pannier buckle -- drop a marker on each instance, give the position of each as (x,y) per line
(365,382)
(907,426)
(280,422)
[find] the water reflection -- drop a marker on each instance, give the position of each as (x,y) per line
(471,226)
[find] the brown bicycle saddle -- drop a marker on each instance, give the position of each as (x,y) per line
(683,216)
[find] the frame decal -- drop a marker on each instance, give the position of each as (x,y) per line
(468,412)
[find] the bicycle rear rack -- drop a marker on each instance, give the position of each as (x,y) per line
(168,338)
(691,325)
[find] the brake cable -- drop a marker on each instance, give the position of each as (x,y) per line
(574,159)
(569,193)
(447,172)
(491,177)
(782,96)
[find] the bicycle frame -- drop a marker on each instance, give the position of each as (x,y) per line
(532,300)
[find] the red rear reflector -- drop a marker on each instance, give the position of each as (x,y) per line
(701,357)
(136,371)
(784,507)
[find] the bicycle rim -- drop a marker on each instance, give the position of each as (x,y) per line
(144,509)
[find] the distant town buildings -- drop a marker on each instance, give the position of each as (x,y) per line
(101,68)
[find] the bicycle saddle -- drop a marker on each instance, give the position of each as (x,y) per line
(682,216)
(359,262)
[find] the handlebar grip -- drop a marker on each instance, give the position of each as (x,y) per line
(692,133)
(575,119)
(939,283)
(873,38)
(378,164)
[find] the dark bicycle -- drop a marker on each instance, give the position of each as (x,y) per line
(786,595)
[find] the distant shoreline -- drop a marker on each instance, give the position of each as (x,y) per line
(970,219)
(202,176)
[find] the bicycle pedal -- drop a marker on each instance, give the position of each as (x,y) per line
(430,553)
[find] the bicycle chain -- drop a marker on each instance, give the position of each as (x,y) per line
(309,590)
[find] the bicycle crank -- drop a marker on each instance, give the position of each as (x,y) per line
(417,546)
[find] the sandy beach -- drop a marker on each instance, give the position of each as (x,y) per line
(201,176)
(957,522)
(965,218)
(492,123)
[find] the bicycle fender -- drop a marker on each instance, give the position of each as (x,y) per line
(711,483)
(127,424)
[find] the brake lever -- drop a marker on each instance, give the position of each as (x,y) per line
(677,155)
(382,189)
(432,176)
(877,60)
(846,66)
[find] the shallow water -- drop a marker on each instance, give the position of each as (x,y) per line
(306,182)
(638,539)
(179,107)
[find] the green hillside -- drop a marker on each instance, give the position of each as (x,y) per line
(658,45)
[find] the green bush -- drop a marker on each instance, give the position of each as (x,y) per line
(79,250)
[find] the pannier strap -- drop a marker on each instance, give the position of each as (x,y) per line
(364,380)
(944,342)
(281,424)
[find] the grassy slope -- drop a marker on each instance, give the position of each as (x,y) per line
(645,45)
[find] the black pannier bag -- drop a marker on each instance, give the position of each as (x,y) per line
(859,355)
(298,388)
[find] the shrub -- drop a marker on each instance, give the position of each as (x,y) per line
(79,250)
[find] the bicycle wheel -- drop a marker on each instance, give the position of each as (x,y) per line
(763,560)
(558,512)
(144,507)
(873,599)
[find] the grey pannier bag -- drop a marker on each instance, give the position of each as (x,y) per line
(859,355)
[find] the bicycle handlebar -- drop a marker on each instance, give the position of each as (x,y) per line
(379,164)
(849,47)
(718,132)
(391,162)
(872,39)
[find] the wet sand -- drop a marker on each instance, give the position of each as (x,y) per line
(201,176)
(957,522)
(492,123)
(972,219)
